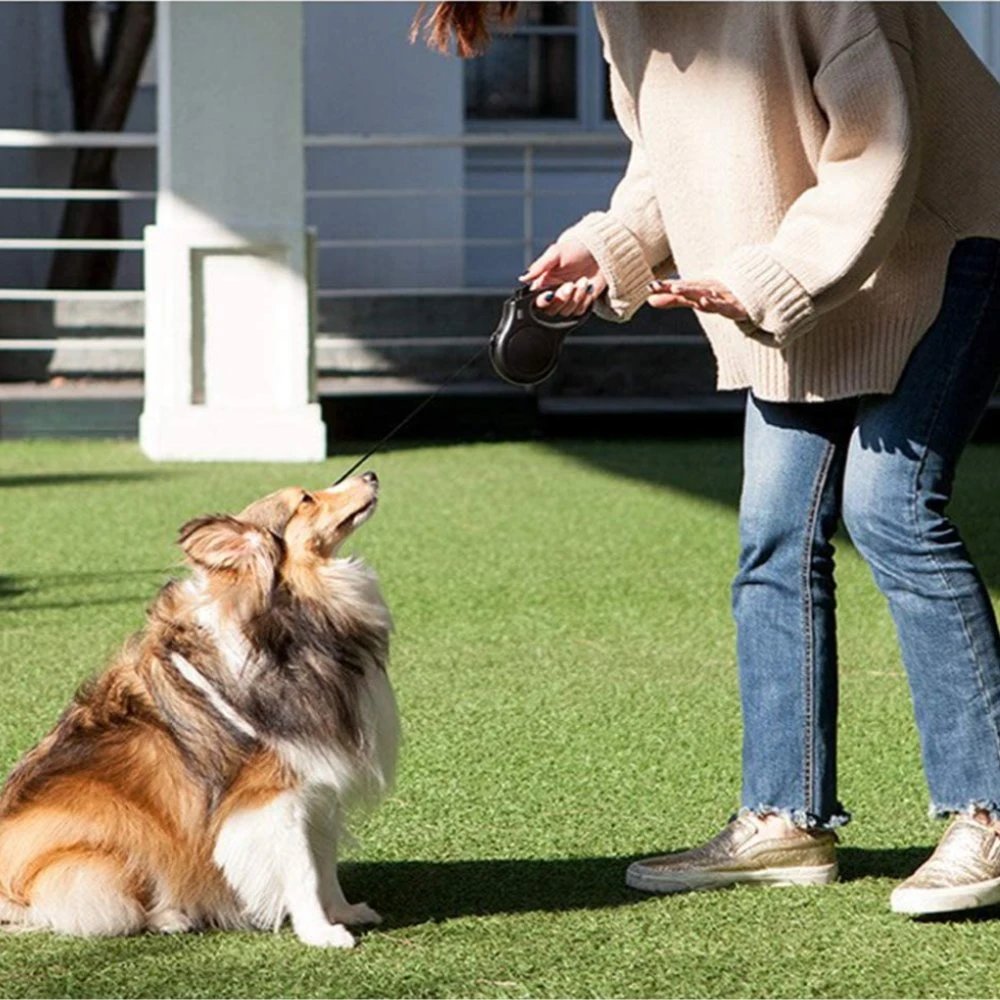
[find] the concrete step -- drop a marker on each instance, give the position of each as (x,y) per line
(422,338)
(366,410)
(355,409)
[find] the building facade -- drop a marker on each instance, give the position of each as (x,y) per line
(427,180)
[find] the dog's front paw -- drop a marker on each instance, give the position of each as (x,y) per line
(326,936)
(169,922)
(355,914)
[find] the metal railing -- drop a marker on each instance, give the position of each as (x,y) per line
(35,139)
(529,144)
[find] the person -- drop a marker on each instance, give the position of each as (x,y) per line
(824,178)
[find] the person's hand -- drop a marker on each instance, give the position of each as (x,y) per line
(705,295)
(571,267)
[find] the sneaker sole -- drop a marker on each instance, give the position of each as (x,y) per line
(636,877)
(921,902)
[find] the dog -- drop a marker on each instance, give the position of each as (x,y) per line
(202,779)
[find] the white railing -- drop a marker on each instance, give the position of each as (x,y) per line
(529,144)
(34,139)
(24,138)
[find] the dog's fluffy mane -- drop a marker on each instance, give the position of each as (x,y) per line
(302,679)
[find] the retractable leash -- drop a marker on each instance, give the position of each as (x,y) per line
(525,346)
(524,350)
(451,378)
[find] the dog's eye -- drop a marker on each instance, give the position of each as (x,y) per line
(307,499)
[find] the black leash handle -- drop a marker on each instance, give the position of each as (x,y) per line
(524,350)
(451,378)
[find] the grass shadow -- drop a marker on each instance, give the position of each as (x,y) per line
(899,863)
(10,586)
(14,586)
(71,579)
(76,478)
(414,892)
(86,602)
(711,468)
(884,862)
(984,914)
(714,471)
(408,893)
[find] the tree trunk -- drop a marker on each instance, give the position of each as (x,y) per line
(103,88)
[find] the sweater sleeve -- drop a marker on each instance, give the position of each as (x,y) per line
(836,233)
(628,241)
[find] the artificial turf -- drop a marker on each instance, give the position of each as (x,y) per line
(563,661)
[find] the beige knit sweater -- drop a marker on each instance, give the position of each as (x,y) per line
(821,159)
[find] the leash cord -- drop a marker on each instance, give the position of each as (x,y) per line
(451,378)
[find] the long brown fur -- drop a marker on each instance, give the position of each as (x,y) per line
(108,825)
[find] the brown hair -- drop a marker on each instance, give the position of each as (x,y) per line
(469,22)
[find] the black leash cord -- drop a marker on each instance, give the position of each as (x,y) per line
(451,378)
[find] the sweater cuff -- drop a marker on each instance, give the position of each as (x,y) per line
(780,309)
(621,260)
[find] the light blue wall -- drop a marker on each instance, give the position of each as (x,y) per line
(362,76)
(980,24)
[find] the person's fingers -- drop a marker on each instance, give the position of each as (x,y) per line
(706,296)
(578,297)
(729,308)
(687,290)
(542,264)
(663,296)
(569,299)
(719,301)
(699,286)
(550,279)
(545,302)
(579,300)
(665,300)
(669,302)
(554,301)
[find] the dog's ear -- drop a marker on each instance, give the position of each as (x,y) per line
(273,512)
(221,542)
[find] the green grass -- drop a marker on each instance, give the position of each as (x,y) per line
(563,660)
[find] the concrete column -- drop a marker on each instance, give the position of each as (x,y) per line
(229,264)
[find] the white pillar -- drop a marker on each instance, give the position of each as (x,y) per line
(230,372)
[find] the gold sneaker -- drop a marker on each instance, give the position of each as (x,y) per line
(963,873)
(742,852)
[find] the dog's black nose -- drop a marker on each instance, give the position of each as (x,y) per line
(370,477)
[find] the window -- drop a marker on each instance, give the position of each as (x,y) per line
(544,69)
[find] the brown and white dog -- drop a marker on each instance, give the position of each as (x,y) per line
(202,778)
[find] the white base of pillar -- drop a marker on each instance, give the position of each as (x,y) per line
(207,434)
(229,347)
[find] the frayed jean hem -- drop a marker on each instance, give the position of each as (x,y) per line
(801,818)
(991,808)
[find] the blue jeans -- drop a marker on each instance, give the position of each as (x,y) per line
(885,466)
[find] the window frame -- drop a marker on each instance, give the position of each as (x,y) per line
(589,80)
